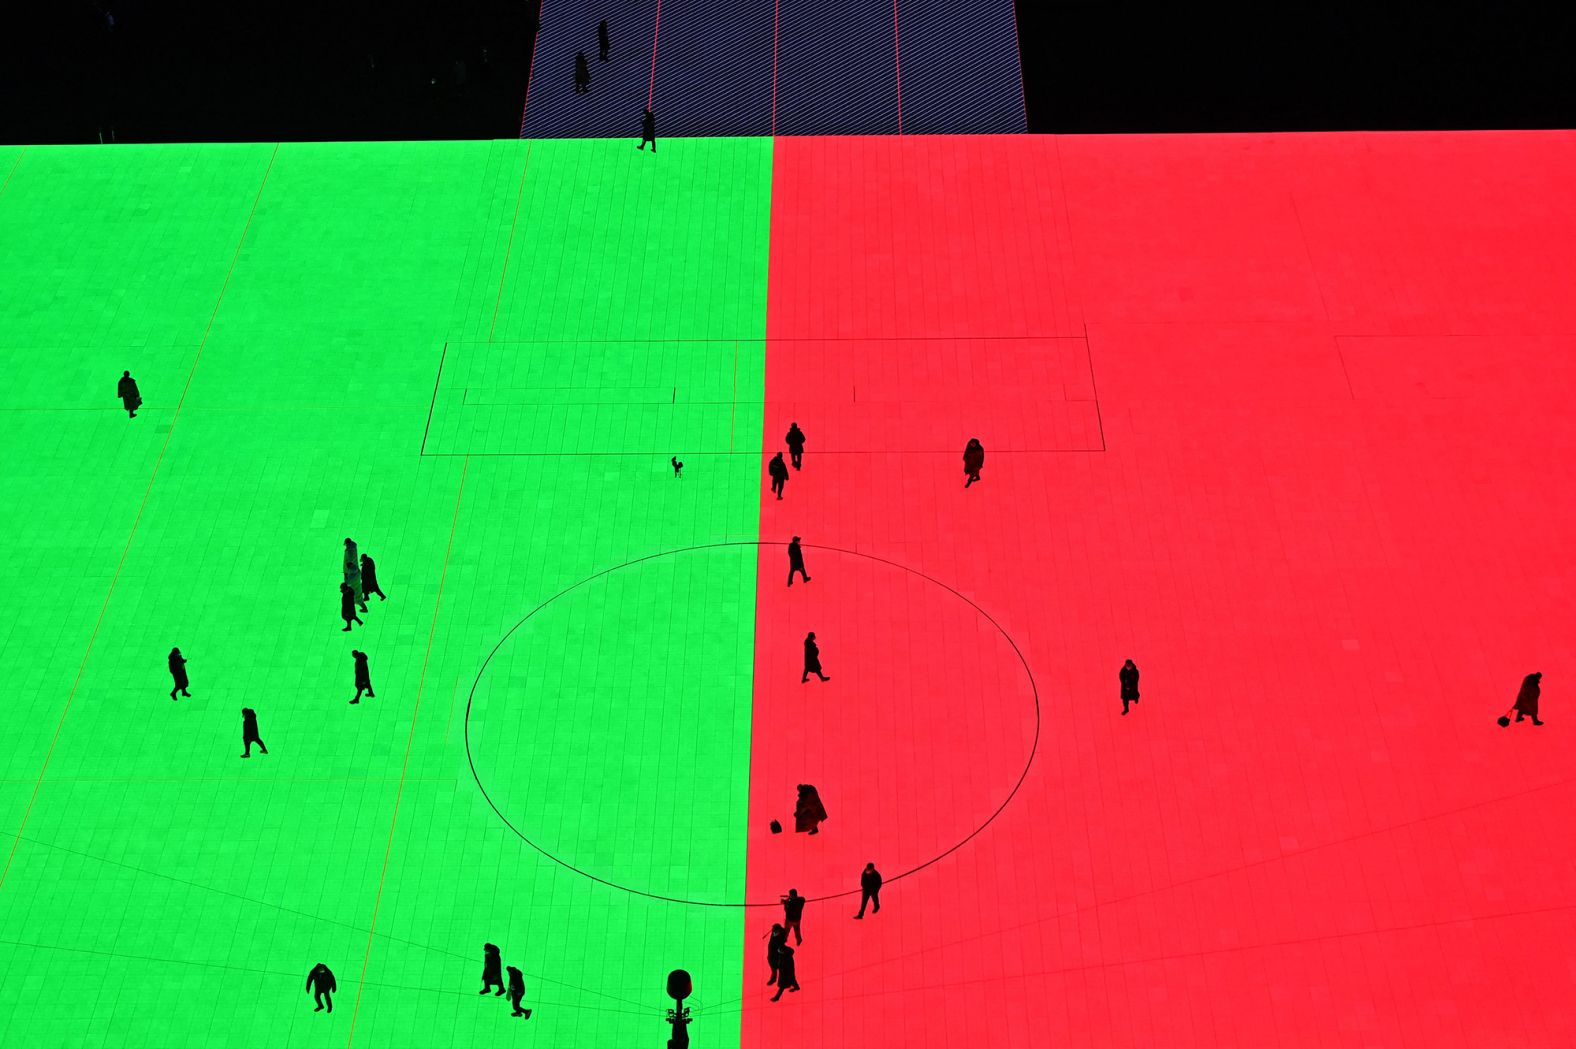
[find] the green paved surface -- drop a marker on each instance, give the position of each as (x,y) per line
(166,892)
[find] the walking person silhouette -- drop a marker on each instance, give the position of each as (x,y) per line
(178,672)
(869,889)
(130,396)
(973,460)
(249,732)
(812,658)
(369,579)
(517,992)
(678,467)
(1128,676)
(353,573)
(778,470)
(808,812)
(793,914)
(347,606)
(787,972)
(796,562)
(320,981)
(492,969)
(648,130)
(774,941)
(602,42)
(795,440)
(363,676)
(1526,700)
(582,74)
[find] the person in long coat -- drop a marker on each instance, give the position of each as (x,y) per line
(178,672)
(809,812)
(973,460)
(1527,698)
(812,659)
(249,733)
(353,573)
(774,941)
(787,974)
(582,74)
(796,561)
(492,969)
(369,579)
(347,606)
(795,442)
(129,395)
(1128,676)
(363,676)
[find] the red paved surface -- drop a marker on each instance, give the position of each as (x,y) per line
(1330,525)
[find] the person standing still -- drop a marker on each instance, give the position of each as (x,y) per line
(130,396)
(795,441)
(1128,676)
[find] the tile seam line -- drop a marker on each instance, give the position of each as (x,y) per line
(410,743)
(131,536)
(656,34)
(507,251)
(1023,87)
(23,152)
(530,71)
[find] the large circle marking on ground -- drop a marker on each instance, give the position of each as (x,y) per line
(991,818)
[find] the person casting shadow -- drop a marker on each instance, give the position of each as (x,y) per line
(369,579)
(1128,676)
(1527,699)
(648,130)
(793,914)
(973,460)
(787,972)
(774,941)
(602,41)
(808,812)
(778,471)
(320,981)
(347,606)
(796,561)
(178,672)
(492,969)
(869,890)
(582,74)
(795,439)
(363,676)
(130,396)
(812,656)
(249,733)
(516,992)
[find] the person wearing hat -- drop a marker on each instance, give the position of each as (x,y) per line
(1526,700)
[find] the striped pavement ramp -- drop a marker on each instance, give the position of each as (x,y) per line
(785,67)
